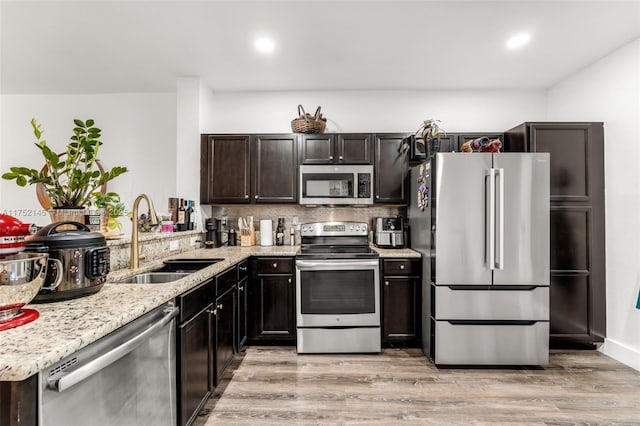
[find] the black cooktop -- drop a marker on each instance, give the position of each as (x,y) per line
(337,252)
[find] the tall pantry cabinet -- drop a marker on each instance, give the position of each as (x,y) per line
(577,291)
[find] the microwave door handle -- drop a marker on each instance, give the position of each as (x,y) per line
(103,361)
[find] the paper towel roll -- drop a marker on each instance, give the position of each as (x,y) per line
(266,232)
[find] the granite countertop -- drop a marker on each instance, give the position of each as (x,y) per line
(398,252)
(67,326)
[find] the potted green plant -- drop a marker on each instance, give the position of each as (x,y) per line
(111,206)
(430,132)
(430,129)
(69,179)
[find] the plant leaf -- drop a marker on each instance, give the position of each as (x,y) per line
(78,123)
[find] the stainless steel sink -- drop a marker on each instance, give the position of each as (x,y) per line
(187,264)
(153,278)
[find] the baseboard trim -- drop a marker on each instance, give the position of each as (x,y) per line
(621,352)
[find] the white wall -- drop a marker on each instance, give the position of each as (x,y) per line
(609,91)
(188,139)
(374,111)
(138,131)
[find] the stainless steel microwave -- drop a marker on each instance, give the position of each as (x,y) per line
(336,184)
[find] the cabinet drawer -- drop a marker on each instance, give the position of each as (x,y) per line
(195,300)
(243,270)
(400,267)
(491,344)
(274,265)
(532,304)
(225,281)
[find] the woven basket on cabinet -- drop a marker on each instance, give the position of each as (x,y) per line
(307,123)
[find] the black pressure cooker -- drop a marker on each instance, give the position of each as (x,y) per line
(78,260)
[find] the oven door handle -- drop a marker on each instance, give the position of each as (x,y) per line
(335,264)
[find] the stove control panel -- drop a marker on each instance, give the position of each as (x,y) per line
(334,229)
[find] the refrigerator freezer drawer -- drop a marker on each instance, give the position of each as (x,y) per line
(491,344)
(512,304)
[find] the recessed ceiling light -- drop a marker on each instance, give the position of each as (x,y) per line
(518,40)
(265,45)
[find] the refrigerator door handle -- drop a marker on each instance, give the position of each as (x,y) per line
(490,217)
(499,239)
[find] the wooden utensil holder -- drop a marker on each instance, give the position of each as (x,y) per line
(248,240)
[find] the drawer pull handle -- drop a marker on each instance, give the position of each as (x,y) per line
(275,265)
(256,196)
(219,306)
(246,196)
(401,266)
(213,312)
(289,280)
(386,283)
(243,268)
(331,157)
(240,288)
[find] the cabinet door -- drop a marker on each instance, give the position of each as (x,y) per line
(274,308)
(401,310)
(317,149)
(276,168)
(354,148)
(391,169)
(225,169)
(242,325)
(577,288)
(194,365)
(224,340)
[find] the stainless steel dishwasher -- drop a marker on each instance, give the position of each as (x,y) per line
(125,378)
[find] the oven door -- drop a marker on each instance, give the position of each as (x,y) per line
(337,293)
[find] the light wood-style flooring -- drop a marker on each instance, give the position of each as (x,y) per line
(274,385)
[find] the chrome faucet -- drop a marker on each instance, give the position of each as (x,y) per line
(135,254)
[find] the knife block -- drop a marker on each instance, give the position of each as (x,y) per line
(248,240)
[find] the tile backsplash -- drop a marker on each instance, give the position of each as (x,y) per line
(304,214)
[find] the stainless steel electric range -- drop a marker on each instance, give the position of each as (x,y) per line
(337,289)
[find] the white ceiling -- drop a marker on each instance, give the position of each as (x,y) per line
(141,46)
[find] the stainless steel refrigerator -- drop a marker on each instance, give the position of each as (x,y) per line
(481,222)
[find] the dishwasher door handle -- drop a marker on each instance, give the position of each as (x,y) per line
(103,361)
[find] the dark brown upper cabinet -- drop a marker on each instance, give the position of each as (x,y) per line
(577,283)
(391,168)
(225,169)
(343,148)
(275,177)
(243,169)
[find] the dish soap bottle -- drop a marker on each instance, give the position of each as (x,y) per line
(280,232)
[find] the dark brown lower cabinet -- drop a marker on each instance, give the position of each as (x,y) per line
(194,351)
(577,283)
(19,402)
(224,329)
(401,302)
(272,301)
(194,343)
(242,324)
